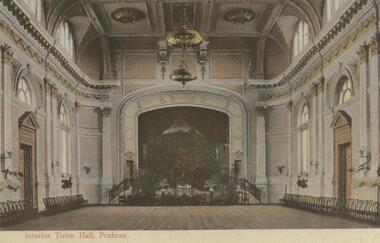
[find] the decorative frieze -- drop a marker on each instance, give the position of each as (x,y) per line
(50,69)
(346,43)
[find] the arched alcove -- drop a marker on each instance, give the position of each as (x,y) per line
(222,101)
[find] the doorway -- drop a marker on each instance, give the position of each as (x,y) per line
(27,158)
(342,155)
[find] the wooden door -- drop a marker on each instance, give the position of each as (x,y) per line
(344,174)
(28,126)
(26,160)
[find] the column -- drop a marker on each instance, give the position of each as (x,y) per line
(364,109)
(261,173)
(7,150)
(77,146)
(6,117)
(321,135)
(290,147)
(48,137)
(53,143)
(313,166)
(106,182)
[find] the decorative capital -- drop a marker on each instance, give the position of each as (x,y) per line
(6,51)
(105,111)
(54,91)
(363,52)
(261,110)
(374,45)
(314,89)
(77,106)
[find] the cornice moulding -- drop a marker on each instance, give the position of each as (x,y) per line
(46,41)
(322,41)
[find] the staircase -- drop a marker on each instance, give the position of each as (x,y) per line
(118,189)
(250,188)
(247,190)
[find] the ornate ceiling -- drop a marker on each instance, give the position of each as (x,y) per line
(272,19)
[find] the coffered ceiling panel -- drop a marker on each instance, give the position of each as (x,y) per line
(220,26)
(101,14)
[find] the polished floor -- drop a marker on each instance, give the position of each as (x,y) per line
(185,218)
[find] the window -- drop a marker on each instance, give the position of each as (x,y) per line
(345,91)
(35,7)
(24,93)
(304,141)
(333,6)
(301,37)
(65,141)
(64,37)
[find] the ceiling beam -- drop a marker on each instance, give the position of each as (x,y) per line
(94,19)
(270,20)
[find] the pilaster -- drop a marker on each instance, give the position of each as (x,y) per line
(106,182)
(374,100)
(261,173)
(363,53)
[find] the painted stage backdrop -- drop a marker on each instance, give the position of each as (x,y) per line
(184,145)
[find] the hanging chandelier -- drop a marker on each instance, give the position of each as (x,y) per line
(182,74)
(185,36)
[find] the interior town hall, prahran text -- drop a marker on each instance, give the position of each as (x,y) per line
(189,114)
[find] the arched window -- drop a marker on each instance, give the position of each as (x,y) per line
(304,141)
(333,6)
(301,37)
(65,141)
(345,91)
(35,7)
(23,92)
(65,38)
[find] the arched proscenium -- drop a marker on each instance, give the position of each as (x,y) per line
(152,99)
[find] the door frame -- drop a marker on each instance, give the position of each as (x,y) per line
(28,126)
(341,126)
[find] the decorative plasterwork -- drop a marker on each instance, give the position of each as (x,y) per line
(343,22)
(127,15)
(24,21)
(315,70)
(239,15)
(51,70)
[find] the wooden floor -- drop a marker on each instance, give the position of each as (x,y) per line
(185,218)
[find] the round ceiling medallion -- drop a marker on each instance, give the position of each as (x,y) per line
(127,15)
(239,15)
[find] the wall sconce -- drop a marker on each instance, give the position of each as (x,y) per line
(280,167)
(313,163)
(366,165)
(87,169)
(12,173)
(4,157)
(54,163)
